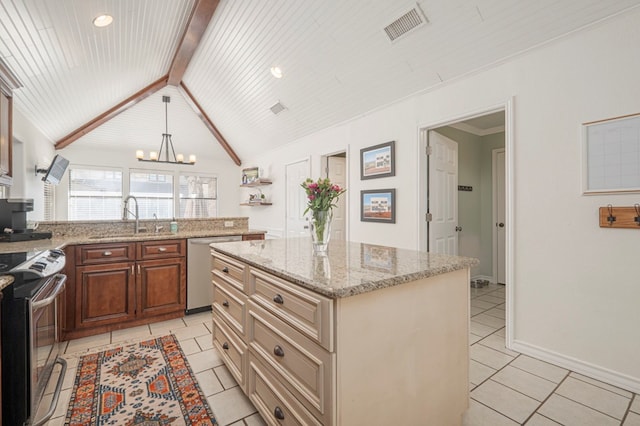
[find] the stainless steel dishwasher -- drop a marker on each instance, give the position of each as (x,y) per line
(199,287)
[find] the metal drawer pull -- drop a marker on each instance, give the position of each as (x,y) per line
(278,299)
(225,346)
(277,351)
(278,413)
(107,253)
(225,270)
(162,249)
(225,303)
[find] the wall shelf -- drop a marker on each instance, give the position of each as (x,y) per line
(255,204)
(259,182)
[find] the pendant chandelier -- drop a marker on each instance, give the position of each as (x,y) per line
(166,145)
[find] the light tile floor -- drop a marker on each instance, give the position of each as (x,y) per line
(507,388)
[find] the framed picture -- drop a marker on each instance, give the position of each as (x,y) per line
(249,175)
(378,205)
(378,258)
(378,161)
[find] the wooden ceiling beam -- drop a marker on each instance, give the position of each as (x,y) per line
(207,121)
(198,22)
(112,112)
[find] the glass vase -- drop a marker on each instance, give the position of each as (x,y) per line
(320,226)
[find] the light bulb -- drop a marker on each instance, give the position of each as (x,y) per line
(153,156)
(139,154)
(180,158)
(192,159)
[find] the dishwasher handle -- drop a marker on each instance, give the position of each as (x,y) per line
(207,241)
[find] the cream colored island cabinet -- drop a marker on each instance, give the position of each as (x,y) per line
(365,335)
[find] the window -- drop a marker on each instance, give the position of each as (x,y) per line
(95,194)
(154,192)
(49,201)
(198,196)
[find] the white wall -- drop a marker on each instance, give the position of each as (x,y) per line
(227,172)
(576,290)
(35,148)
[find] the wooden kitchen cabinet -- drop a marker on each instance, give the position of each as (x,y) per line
(105,294)
(121,285)
(161,286)
(249,237)
(6,132)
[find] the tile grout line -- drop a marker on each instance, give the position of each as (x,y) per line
(626,414)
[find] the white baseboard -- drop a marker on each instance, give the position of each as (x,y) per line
(596,372)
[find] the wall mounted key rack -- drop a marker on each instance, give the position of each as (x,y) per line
(620,217)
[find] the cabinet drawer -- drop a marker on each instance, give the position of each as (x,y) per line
(308,312)
(276,404)
(161,249)
(233,351)
(230,305)
(250,237)
(229,270)
(93,254)
(303,366)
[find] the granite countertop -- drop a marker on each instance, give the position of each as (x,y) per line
(63,241)
(5,280)
(349,268)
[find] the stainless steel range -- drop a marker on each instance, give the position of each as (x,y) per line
(30,333)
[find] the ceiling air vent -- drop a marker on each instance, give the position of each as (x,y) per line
(277,108)
(411,20)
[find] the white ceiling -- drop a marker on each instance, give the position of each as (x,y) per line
(336,59)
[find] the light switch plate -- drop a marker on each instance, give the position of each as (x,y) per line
(228,223)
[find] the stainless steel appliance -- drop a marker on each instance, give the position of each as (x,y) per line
(30,333)
(199,287)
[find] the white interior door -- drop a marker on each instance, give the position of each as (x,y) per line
(296,199)
(443,194)
(337,172)
(500,215)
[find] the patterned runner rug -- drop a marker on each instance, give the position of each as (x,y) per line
(147,383)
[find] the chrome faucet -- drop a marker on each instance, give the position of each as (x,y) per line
(157,228)
(126,210)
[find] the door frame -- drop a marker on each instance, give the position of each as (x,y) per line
(347,204)
(494,209)
(286,195)
(422,187)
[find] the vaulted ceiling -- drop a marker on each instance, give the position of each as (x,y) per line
(337,61)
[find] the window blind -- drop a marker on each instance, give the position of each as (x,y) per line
(95,194)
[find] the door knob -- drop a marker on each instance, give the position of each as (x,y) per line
(458,228)
(501,224)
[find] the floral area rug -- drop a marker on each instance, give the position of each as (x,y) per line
(147,383)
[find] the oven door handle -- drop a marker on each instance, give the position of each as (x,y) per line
(62,279)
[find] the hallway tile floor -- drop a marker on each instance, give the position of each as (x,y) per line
(506,388)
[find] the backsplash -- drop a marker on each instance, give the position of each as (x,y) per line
(118,227)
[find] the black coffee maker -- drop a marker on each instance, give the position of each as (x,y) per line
(13,221)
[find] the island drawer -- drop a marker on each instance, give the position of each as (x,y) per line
(277,406)
(232,350)
(302,366)
(93,254)
(161,249)
(228,270)
(230,305)
(307,312)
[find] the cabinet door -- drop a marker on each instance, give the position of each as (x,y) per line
(5,134)
(161,286)
(105,294)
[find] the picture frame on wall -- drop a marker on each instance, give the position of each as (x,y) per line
(378,161)
(250,175)
(378,205)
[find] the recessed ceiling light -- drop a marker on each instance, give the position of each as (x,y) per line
(102,20)
(276,71)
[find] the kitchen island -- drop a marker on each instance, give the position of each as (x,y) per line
(364,335)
